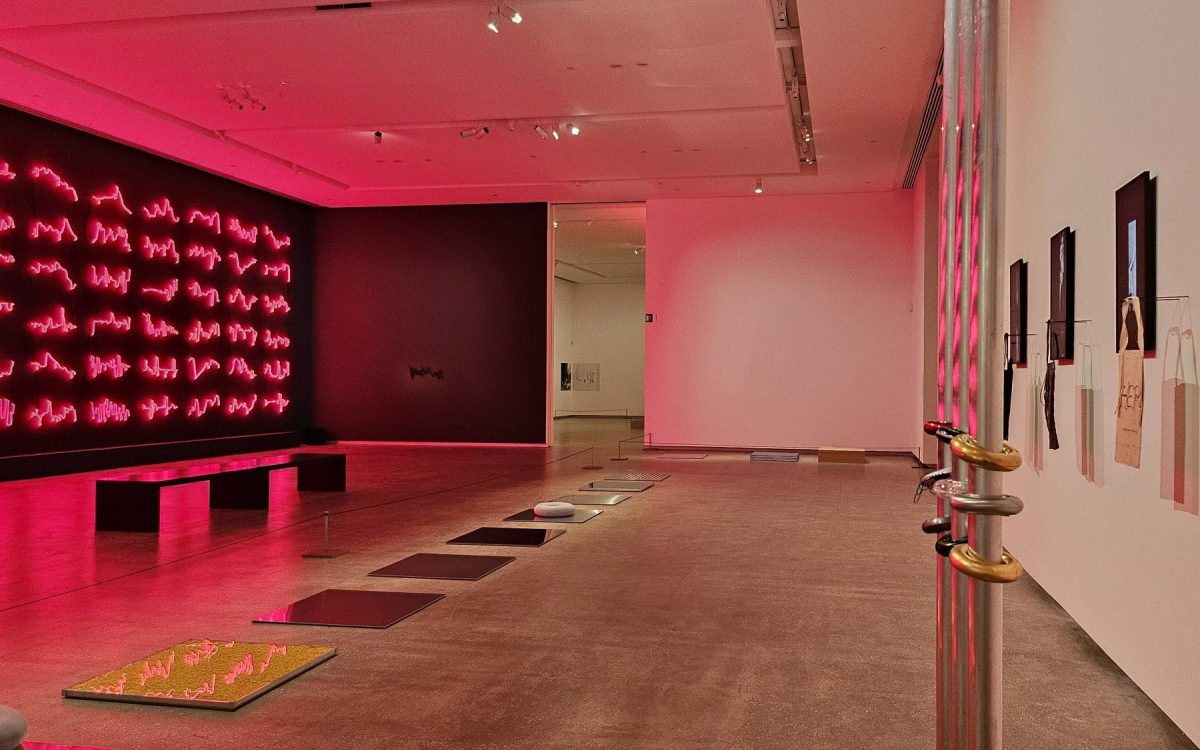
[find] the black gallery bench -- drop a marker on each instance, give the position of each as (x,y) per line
(130,502)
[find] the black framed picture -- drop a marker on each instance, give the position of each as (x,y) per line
(1060,330)
(1018,311)
(1135,257)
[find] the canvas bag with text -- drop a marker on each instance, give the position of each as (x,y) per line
(1180,456)
(1085,422)
(1131,398)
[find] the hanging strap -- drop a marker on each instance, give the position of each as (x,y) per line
(1134,303)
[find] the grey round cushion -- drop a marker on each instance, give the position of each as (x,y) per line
(553,509)
(12,728)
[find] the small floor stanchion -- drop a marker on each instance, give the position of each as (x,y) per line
(591,464)
(326,553)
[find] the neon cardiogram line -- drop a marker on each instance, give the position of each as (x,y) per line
(7,306)
(7,223)
(277,242)
(279,369)
(241,406)
(55,322)
(205,688)
(236,264)
(152,408)
(7,259)
(106,410)
(57,231)
(206,652)
(210,296)
(239,299)
(38,172)
(165,249)
(6,174)
(281,650)
(160,209)
(196,368)
(198,331)
(238,368)
(278,269)
(115,235)
(276,304)
(41,267)
(275,341)
(166,292)
(157,329)
(112,365)
(99,277)
(158,369)
(210,219)
(198,406)
(207,254)
(114,197)
(46,361)
(248,235)
(7,411)
(118,323)
(238,332)
(6,368)
(275,401)
(47,414)
(245,665)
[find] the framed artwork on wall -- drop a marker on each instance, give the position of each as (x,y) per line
(1018,311)
(1135,258)
(1060,330)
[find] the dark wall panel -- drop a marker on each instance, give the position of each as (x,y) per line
(430,323)
(135,299)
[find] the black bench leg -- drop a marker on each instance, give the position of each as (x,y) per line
(322,476)
(124,506)
(242,490)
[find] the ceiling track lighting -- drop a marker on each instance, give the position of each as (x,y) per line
(499,13)
(758,188)
(542,133)
(511,13)
(477,133)
(378,138)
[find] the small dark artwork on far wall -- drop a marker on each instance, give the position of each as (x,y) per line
(1061,328)
(564,376)
(1135,257)
(1018,311)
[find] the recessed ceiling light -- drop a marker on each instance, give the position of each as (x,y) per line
(758,188)
(572,128)
(555,134)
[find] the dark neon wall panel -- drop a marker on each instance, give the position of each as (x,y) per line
(430,323)
(142,301)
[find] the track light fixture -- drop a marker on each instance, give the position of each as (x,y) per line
(572,128)
(493,24)
(758,188)
(541,132)
(378,137)
(500,12)
(476,133)
(511,13)
(555,134)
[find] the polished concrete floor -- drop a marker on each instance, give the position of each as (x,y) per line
(736,605)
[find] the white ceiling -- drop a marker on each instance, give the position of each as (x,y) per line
(675,98)
(600,243)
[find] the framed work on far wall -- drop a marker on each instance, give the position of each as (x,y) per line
(1060,332)
(1018,311)
(1135,257)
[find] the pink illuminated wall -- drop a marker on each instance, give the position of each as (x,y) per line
(140,301)
(782,322)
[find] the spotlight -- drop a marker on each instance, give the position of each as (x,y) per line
(758,188)
(572,128)
(541,132)
(556,224)
(511,13)
(378,137)
(555,134)
(493,24)
(476,133)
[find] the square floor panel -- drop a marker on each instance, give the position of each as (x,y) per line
(592,499)
(682,456)
(579,516)
(221,675)
(445,567)
(27,745)
(610,485)
(496,536)
(784,456)
(638,476)
(349,608)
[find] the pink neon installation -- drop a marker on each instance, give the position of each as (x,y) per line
(106,410)
(240,405)
(198,406)
(157,329)
(7,411)
(100,277)
(54,268)
(111,321)
(276,243)
(7,306)
(112,235)
(241,300)
(206,254)
(114,197)
(238,368)
(276,304)
(160,209)
(46,361)
(280,269)
(275,341)
(47,414)
(164,249)
(279,369)
(238,266)
(6,174)
(47,175)
(276,402)
(198,332)
(6,368)
(111,365)
(241,333)
(166,292)
(7,223)
(206,294)
(156,408)
(197,367)
(55,322)
(7,259)
(248,235)
(56,230)
(156,368)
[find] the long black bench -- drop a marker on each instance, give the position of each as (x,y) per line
(130,502)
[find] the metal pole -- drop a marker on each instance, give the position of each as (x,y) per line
(950,146)
(985,537)
(959,522)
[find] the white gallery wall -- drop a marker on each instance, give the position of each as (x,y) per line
(601,324)
(1097,92)
(783,321)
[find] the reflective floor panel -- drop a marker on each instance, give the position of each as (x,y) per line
(592,499)
(611,485)
(221,675)
(52,746)
(447,567)
(579,516)
(774,456)
(682,456)
(349,608)
(638,476)
(507,537)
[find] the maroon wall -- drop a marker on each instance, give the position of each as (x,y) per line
(430,323)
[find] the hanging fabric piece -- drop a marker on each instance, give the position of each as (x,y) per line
(1085,423)
(1008,386)
(1131,399)
(1048,404)
(1180,472)
(1033,418)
